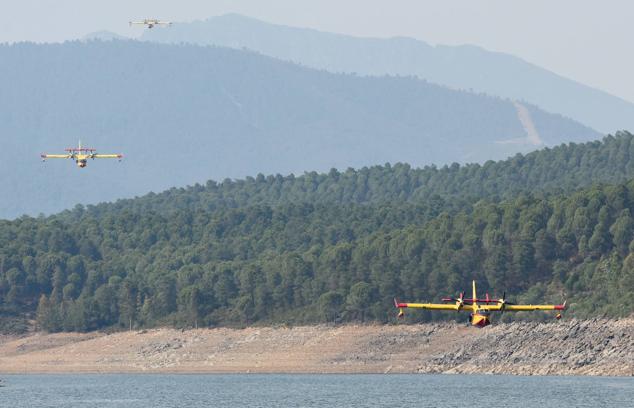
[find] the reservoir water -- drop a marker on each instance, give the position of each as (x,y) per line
(328,391)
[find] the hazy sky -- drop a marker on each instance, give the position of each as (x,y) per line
(586,40)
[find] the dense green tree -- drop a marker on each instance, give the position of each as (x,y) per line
(622,231)
(359,299)
(330,306)
(47,316)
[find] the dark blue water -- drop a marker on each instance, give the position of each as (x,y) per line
(330,391)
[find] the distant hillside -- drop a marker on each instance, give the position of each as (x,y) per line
(562,169)
(185,114)
(462,67)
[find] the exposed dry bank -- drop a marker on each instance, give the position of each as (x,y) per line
(590,347)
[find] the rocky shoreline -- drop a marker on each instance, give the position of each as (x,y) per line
(569,347)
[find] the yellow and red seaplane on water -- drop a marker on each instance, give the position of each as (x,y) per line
(81,155)
(480,309)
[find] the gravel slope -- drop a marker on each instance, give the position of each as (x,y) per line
(573,347)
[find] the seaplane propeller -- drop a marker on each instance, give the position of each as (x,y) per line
(502,302)
(460,301)
(401,313)
(560,313)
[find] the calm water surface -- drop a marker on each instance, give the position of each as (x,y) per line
(330,391)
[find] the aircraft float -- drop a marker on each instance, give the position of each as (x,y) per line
(480,309)
(81,155)
(151,22)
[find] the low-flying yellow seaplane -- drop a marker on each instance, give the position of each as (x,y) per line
(480,309)
(81,155)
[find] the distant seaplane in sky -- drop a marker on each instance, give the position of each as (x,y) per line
(151,22)
(80,155)
(480,309)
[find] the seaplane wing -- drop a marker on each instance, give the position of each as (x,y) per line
(106,156)
(434,306)
(56,156)
(521,308)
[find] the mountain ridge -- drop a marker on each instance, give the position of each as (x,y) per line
(459,67)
